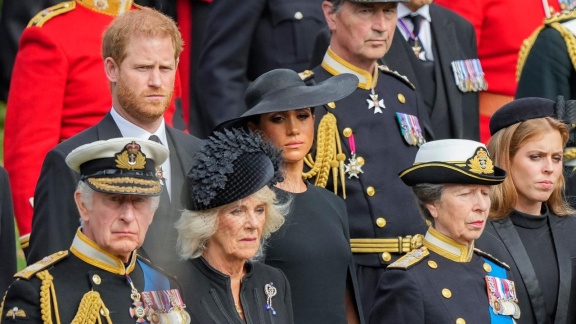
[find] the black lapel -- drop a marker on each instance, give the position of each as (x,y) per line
(444,41)
(513,244)
(107,128)
(564,269)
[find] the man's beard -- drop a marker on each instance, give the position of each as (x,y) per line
(138,107)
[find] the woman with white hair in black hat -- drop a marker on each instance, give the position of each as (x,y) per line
(532,227)
(447,280)
(312,248)
(230,212)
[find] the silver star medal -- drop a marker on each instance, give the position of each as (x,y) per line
(353,168)
(373,102)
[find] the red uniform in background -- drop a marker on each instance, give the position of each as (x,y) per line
(58,89)
(501,27)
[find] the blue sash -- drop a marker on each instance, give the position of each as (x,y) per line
(153,280)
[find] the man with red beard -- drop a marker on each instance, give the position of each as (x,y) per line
(140,50)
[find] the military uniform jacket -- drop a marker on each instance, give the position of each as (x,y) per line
(454,113)
(56,215)
(268,34)
(547,61)
(80,282)
(501,239)
(379,204)
(58,89)
(442,282)
(208,296)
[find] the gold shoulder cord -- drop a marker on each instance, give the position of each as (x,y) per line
(569,39)
(89,309)
(47,295)
(328,156)
(525,50)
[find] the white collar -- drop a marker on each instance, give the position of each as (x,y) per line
(424,11)
(130,130)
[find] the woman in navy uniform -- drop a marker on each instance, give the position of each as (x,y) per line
(447,280)
(532,227)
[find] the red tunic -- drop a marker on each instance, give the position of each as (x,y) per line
(58,89)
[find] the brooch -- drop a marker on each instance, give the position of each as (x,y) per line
(270,292)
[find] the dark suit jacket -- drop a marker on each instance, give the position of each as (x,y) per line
(56,217)
(244,41)
(453,38)
(501,240)
(7,234)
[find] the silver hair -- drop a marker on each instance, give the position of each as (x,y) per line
(87,198)
(427,193)
(196,227)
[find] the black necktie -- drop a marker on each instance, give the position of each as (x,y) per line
(413,40)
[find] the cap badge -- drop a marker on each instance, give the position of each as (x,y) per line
(481,163)
(131,158)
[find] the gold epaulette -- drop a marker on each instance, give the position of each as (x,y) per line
(397,75)
(492,258)
(306,75)
(411,258)
(562,17)
(525,50)
(43,16)
(41,265)
(569,39)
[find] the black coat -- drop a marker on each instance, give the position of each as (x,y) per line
(7,235)
(453,38)
(56,217)
(208,298)
(244,41)
(501,239)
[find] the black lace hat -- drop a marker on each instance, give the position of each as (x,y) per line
(229,166)
(120,165)
(453,161)
(283,90)
(520,110)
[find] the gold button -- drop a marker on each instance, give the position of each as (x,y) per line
(428,222)
(386,256)
(298,15)
(487,267)
(360,161)
(381,222)
(61,252)
(96,279)
(432,264)
(401,98)
(331,104)
(460,321)
(104,311)
(347,132)
(446,293)
(370,191)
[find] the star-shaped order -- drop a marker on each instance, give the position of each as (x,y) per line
(373,102)
(353,168)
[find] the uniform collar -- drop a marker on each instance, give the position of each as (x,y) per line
(335,65)
(87,250)
(447,247)
(107,7)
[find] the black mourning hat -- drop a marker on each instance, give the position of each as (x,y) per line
(283,90)
(120,165)
(229,166)
(453,161)
(521,110)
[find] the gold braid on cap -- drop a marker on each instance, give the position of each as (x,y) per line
(48,297)
(328,156)
(89,309)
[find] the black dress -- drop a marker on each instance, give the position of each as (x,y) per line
(312,248)
(208,296)
(541,253)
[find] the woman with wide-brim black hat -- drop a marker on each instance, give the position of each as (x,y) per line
(447,280)
(312,248)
